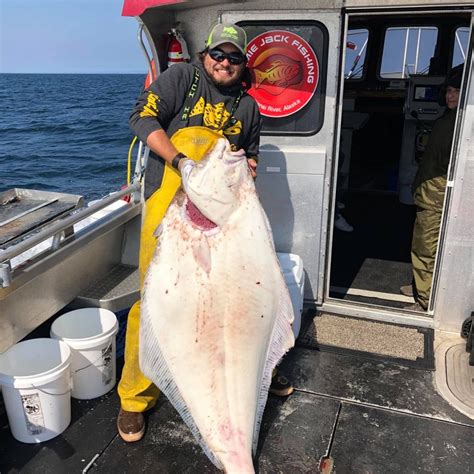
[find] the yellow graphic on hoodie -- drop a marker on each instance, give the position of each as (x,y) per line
(215,116)
(150,109)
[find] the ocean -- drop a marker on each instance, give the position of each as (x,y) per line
(66,132)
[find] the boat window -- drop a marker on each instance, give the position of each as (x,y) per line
(287,60)
(461,38)
(407,51)
(356,48)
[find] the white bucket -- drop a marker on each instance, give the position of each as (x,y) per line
(90,333)
(36,380)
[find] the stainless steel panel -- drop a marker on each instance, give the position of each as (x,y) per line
(197,22)
(40,290)
(455,295)
(291,160)
(26,210)
(115,291)
(373,313)
(294,207)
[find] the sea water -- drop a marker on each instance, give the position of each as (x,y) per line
(66,132)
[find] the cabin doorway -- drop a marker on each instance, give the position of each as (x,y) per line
(394,67)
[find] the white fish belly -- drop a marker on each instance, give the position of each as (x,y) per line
(211,311)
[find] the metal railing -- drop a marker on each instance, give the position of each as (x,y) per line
(55,230)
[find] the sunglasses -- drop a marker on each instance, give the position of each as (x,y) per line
(233,58)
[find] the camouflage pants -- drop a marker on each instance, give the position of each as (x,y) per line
(423,251)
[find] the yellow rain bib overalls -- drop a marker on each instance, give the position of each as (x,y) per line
(137,393)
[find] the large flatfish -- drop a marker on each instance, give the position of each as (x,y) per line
(216,313)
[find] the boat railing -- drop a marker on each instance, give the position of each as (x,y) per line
(59,229)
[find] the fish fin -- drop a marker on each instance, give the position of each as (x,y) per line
(153,364)
(259,78)
(202,253)
(282,341)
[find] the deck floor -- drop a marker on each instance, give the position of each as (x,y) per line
(368,415)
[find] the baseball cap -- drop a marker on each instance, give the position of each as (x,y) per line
(227,33)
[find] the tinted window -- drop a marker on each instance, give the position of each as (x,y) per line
(356,48)
(460,45)
(407,51)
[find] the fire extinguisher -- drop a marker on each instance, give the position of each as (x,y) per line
(177,48)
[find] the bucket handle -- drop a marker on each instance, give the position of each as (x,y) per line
(71,379)
(55,394)
(98,358)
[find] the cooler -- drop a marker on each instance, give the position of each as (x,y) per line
(292,268)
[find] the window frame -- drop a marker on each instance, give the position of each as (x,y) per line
(398,26)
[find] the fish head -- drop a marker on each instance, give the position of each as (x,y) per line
(215,183)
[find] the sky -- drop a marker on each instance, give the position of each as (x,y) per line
(68,36)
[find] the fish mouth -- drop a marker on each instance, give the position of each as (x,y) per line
(197,218)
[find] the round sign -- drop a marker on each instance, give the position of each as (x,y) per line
(284,70)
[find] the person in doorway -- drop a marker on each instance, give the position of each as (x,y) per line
(428,193)
(211,94)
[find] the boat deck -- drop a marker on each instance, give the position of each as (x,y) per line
(367,414)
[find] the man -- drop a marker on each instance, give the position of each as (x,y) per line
(211,94)
(429,189)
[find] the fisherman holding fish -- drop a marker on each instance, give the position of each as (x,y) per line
(210,93)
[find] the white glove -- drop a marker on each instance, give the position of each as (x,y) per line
(185,168)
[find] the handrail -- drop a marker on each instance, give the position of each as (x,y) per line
(50,231)
(145,52)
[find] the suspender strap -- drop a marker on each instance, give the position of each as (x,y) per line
(232,120)
(190,97)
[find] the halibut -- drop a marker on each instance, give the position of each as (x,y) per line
(216,313)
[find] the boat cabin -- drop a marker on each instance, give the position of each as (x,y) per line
(345,124)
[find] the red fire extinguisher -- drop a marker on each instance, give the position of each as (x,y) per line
(177,48)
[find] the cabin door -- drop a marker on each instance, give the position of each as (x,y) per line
(394,67)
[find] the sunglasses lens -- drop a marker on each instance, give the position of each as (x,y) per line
(217,55)
(236,58)
(220,56)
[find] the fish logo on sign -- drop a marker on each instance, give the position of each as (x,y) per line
(285,72)
(279,71)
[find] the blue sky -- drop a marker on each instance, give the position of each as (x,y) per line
(68,36)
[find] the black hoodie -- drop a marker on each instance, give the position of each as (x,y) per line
(161,107)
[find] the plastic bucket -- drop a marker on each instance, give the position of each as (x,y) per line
(36,380)
(90,334)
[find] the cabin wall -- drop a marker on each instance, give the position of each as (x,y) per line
(197,22)
(455,297)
